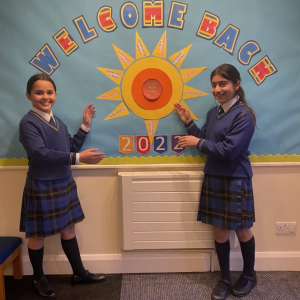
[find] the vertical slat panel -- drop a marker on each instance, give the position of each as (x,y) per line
(126,210)
(159,211)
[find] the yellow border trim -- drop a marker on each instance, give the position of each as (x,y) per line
(164,160)
(275,158)
(13,162)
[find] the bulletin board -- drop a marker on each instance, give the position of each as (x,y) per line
(134,59)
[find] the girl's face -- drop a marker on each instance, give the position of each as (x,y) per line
(42,95)
(223,89)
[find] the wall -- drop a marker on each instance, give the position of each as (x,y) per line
(276,188)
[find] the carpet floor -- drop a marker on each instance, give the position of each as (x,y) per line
(191,286)
(158,286)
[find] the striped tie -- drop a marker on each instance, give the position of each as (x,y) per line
(220,110)
(52,122)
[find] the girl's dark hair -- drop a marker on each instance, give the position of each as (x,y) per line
(36,77)
(231,73)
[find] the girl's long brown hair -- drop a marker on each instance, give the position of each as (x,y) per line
(231,73)
(36,77)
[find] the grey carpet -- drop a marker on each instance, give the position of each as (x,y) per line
(158,286)
(188,286)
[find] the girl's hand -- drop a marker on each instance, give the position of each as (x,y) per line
(187,141)
(183,113)
(88,114)
(91,156)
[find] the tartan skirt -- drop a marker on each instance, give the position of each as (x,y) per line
(49,207)
(227,202)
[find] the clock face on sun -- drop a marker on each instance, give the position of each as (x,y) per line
(152,88)
(148,86)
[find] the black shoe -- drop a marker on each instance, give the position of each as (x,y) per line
(221,290)
(44,288)
(87,278)
(244,285)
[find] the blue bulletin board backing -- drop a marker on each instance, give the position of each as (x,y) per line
(122,56)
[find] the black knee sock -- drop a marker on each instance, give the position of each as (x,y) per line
(71,250)
(248,253)
(223,251)
(36,259)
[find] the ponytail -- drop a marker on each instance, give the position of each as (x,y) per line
(231,73)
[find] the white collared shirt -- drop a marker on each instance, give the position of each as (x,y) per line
(43,114)
(226,106)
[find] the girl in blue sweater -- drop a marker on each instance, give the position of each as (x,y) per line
(226,200)
(50,202)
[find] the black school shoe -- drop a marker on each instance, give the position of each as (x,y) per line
(221,290)
(87,278)
(44,288)
(244,285)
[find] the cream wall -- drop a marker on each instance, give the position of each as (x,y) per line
(276,190)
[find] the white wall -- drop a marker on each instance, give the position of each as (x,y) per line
(276,191)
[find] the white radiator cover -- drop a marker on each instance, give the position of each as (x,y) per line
(159,211)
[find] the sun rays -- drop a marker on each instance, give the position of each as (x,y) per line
(149,84)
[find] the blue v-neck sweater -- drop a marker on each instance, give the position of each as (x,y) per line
(50,149)
(225,140)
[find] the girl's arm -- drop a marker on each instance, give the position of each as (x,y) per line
(32,141)
(239,137)
(189,124)
(78,139)
(194,130)
(229,149)
(88,115)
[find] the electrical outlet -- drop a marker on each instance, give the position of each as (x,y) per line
(285,227)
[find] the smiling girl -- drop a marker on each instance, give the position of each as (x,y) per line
(226,200)
(50,202)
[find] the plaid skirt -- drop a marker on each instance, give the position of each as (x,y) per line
(49,207)
(227,202)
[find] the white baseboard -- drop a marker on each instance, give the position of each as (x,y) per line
(164,262)
(268,261)
(128,263)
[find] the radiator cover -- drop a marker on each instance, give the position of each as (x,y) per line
(159,211)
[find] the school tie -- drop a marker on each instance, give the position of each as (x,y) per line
(220,110)
(52,122)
